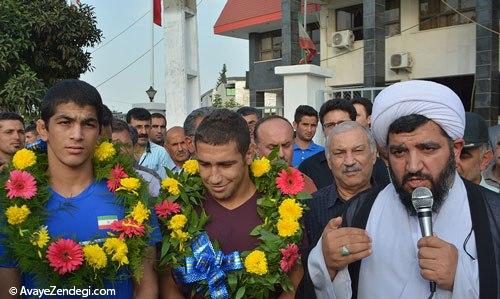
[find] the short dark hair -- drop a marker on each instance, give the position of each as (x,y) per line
(223,126)
(11,116)
(246,110)
(159,115)
(107,116)
(365,102)
(31,128)
(337,104)
(118,125)
(139,114)
(266,119)
(304,110)
(71,91)
(409,123)
(190,121)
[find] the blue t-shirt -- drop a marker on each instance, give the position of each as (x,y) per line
(77,218)
(300,155)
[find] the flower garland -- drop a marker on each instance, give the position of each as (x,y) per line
(65,262)
(280,207)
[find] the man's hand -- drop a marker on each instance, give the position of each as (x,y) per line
(438,261)
(334,237)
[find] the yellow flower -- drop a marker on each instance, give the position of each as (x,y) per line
(130,185)
(95,256)
(260,167)
(290,209)
(140,213)
(17,215)
(41,237)
(117,249)
(287,227)
(171,185)
(177,222)
(256,262)
(181,236)
(23,158)
(104,151)
(190,166)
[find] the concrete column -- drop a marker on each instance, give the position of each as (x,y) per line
(182,85)
(374,42)
(487,79)
(290,49)
(304,84)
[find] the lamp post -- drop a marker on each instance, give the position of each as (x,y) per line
(151,93)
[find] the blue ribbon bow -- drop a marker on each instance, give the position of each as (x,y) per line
(208,265)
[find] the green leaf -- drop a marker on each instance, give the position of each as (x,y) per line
(240,293)
(303,196)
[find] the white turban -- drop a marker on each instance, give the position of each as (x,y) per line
(430,99)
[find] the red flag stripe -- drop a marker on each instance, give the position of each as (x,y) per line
(157,12)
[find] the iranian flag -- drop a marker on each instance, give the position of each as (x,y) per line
(306,44)
(104,222)
(157,11)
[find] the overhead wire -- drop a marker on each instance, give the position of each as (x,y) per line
(123,31)
(128,65)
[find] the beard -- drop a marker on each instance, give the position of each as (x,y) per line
(439,187)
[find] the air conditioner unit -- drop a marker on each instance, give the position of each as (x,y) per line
(343,39)
(401,61)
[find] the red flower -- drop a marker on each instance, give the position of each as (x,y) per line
(20,184)
(65,256)
(290,255)
(166,208)
(117,173)
(290,181)
(127,227)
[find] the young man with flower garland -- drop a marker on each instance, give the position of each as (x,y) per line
(224,154)
(71,121)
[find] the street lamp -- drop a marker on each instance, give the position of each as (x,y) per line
(151,93)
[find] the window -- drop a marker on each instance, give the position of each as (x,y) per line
(270,46)
(392,17)
(436,14)
(351,18)
(230,90)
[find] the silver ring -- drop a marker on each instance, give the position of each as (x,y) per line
(344,251)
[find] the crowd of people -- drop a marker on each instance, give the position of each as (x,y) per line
(362,234)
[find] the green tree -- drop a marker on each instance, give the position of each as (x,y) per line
(41,42)
(217,101)
(222,76)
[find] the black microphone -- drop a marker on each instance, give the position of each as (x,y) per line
(422,201)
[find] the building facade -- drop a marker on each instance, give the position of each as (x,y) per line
(370,44)
(271,28)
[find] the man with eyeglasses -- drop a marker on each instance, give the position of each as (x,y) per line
(492,173)
(332,113)
(476,153)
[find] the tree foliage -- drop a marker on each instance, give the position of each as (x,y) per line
(218,102)
(41,42)
(222,76)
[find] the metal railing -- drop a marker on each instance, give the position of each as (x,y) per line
(271,110)
(353,92)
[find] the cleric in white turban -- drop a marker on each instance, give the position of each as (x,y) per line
(384,255)
(433,100)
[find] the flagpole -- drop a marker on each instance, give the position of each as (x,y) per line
(305,15)
(152,45)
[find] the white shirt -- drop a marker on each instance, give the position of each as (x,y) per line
(392,271)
